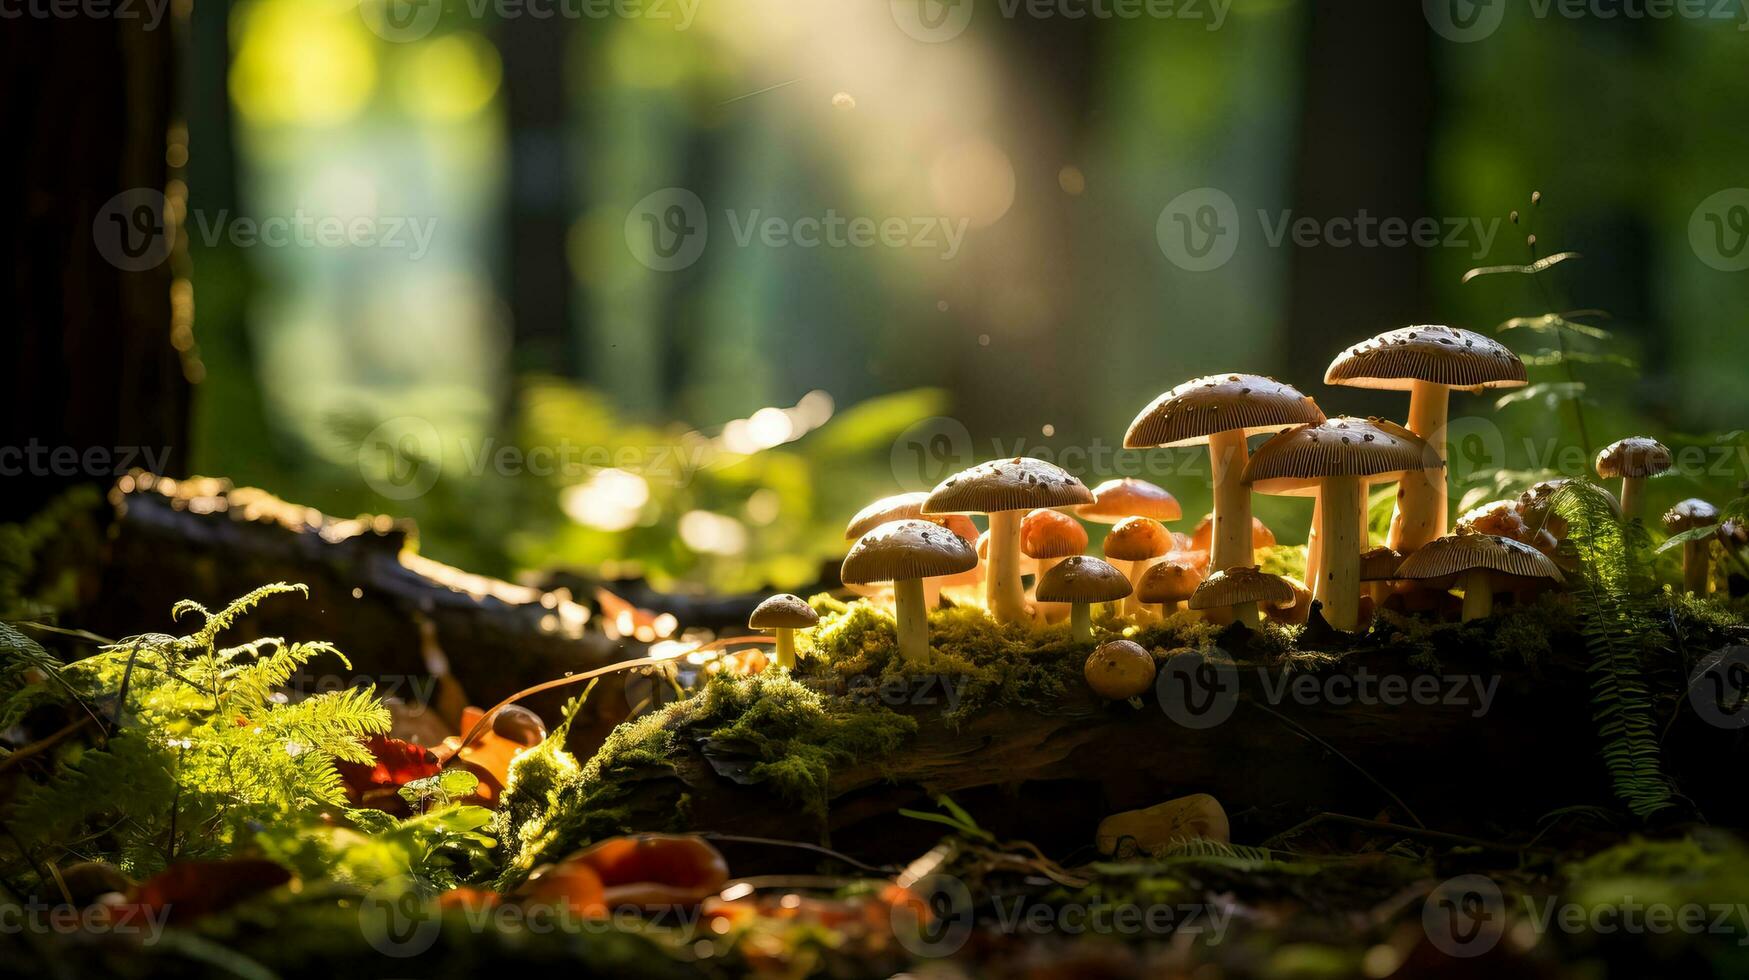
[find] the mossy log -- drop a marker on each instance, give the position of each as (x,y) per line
(1050,775)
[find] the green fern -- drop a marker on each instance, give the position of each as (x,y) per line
(1618,599)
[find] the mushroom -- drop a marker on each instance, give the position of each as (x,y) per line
(1293,613)
(1242,589)
(905,506)
(1048,536)
(1693,514)
(1130,545)
(784,614)
(1633,459)
(1428,362)
(1081,581)
(905,553)
(1480,561)
(1119,670)
(1004,489)
(1169,582)
(1222,410)
(1378,568)
(1152,832)
(1340,455)
(1500,517)
(1534,507)
(1202,539)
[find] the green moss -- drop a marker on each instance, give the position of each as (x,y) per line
(1288,560)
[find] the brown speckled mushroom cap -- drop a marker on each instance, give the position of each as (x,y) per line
(900,550)
(1396,359)
(1115,500)
(1082,578)
(783,611)
(1233,586)
(1199,408)
(1457,553)
(1690,514)
(1379,564)
(898,507)
(1046,533)
(1634,456)
(1533,506)
(1137,539)
(1006,484)
(1294,461)
(1169,581)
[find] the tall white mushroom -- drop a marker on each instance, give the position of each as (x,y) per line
(1005,489)
(1427,361)
(1634,459)
(1341,455)
(1222,410)
(905,553)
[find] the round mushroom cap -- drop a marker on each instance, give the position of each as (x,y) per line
(1115,500)
(1690,514)
(1233,586)
(1199,408)
(1202,539)
(1396,359)
(901,550)
(1534,507)
(1379,565)
(1169,581)
(1376,449)
(783,611)
(1496,517)
(898,507)
(1082,578)
(1006,484)
(1137,539)
(1119,669)
(1634,456)
(1733,533)
(1456,553)
(1046,533)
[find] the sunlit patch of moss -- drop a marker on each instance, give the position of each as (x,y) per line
(1708,870)
(1287,560)
(791,736)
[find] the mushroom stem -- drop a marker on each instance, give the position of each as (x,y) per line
(1002,591)
(913,618)
(1696,564)
(1315,549)
(1341,537)
(1081,621)
(1478,594)
(1246,612)
(1230,538)
(786,647)
(1132,603)
(1422,497)
(1633,493)
(1042,611)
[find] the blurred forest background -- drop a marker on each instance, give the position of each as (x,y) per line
(751,400)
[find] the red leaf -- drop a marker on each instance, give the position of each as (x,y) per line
(397,762)
(192,889)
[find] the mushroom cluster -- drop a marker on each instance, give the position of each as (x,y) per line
(1037,513)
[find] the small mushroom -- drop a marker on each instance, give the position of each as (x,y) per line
(1047,537)
(906,506)
(1170,583)
(905,553)
(1427,361)
(1130,545)
(1203,537)
(1119,670)
(1082,581)
(1222,411)
(1005,489)
(1293,613)
(1341,457)
(1481,562)
(1115,500)
(1152,831)
(1242,589)
(1378,568)
(1633,460)
(784,614)
(1693,514)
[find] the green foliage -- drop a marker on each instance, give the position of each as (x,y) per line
(198,745)
(1618,606)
